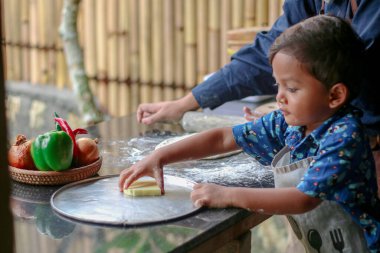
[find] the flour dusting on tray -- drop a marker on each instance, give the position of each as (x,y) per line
(236,170)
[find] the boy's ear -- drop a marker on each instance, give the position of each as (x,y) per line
(338,95)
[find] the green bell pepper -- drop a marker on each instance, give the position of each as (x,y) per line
(52,151)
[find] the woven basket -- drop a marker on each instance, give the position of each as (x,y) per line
(36,177)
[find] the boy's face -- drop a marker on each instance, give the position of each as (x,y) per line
(303,100)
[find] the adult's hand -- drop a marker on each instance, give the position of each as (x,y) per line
(260,111)
(150,113)
(252,115)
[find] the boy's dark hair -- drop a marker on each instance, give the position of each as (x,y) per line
(327,47)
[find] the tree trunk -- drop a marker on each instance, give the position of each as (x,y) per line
(74,58)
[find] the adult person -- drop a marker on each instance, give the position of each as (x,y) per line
(249,72)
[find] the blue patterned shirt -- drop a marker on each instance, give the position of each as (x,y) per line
(342,169)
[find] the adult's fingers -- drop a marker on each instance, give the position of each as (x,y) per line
(144,110)
(251,115)
(152,118)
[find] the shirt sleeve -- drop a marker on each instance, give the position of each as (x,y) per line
(249,72)
(262,138)
(343,169)
(366,23)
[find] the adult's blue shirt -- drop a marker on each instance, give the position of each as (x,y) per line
(249,72)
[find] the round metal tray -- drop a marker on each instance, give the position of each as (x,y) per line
(98,200)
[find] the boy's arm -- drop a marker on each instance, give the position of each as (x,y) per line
(204,144)
(211,142)
(264,200)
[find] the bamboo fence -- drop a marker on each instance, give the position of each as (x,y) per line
(135,51)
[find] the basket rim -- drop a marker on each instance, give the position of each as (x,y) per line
(37,177)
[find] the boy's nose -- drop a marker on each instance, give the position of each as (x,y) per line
(280,100)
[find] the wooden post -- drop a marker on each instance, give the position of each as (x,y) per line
(6,231)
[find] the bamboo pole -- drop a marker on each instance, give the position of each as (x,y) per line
(225,25)
(274,10)
(6,32)
(89,36)
(33,33)
(202,39)
(190,44)
(157,49)
(124,64)
(262,12)
(61,68)
(134,54)
(281,10)
(15,37)
(145,50)
(101,63)
(112,56)
(249,13)
(237,17)
(50,33)
(214,36)
(179,44)
(25,52)
(42,39)
(168,49)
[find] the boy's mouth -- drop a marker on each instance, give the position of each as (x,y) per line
(284,112)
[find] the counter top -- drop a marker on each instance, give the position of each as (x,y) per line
(122,142)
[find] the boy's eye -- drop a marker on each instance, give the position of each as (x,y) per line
(292,90)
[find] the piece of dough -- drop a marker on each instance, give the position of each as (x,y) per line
(143,187)
(175,139)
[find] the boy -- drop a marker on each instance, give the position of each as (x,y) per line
(323,166)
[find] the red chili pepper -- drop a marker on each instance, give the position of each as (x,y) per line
(66,127)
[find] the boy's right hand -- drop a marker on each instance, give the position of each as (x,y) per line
(146,167)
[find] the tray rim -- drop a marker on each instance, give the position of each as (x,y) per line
(115,223)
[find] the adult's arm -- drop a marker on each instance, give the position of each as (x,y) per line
(249,72)
(366,23)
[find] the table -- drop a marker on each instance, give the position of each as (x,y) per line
(122,142)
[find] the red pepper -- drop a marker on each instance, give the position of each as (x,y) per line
(66,127)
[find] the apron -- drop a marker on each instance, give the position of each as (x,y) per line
(327,228)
